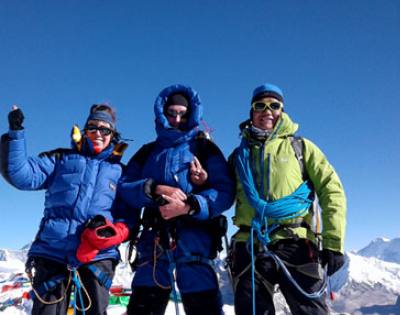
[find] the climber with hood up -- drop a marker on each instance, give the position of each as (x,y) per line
(182,180)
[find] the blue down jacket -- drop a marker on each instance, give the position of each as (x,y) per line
(78,186)
(168,163)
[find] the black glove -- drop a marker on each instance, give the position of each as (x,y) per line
(334,260)
(15,119)
(100,221)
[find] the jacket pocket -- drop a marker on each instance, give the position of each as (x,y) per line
(54,232)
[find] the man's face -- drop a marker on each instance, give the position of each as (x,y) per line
(266,113)
(176,115)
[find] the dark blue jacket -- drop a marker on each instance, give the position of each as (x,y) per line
(168,163)
(78,186)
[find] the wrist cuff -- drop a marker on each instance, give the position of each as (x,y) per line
(193,204)
(149,188)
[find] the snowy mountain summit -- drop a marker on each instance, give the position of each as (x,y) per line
(383,249)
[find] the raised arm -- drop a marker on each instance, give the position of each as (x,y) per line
(21,171)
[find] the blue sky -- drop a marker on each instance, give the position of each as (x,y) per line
(337,62)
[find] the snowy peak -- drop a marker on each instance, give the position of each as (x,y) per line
(7,255)
(383,249)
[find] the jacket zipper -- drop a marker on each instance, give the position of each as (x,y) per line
(261,157)
(268,176)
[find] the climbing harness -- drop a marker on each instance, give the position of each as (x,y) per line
(165,244)
(47,286)
(256,228)
(171,267)
(73,279)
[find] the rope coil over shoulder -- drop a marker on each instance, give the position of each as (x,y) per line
(288,207)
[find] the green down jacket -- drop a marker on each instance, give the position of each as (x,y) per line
(282,176)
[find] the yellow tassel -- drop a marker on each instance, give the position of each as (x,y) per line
(77,136)
(119,148)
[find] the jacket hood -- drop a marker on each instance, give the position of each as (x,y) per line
(168,135)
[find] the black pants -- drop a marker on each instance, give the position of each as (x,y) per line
(46,269)
(298,253)
(154,300)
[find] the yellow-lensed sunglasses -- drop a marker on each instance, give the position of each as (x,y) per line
(261,106)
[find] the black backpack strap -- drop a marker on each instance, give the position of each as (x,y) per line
(298,147)
(204,147)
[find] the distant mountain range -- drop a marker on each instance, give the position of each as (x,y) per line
(8,255)
(383,249)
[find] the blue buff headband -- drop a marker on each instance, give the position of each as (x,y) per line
(103,116)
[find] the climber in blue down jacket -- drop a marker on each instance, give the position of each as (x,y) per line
(183,183)
(79,228)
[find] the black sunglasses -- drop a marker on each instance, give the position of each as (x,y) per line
(174,113)
(104,131)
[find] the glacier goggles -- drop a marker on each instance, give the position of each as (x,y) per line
(262,106)
(104,131)
(175,113)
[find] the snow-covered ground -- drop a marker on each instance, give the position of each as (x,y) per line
(369,282)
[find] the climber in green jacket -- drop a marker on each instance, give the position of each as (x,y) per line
(275,169)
